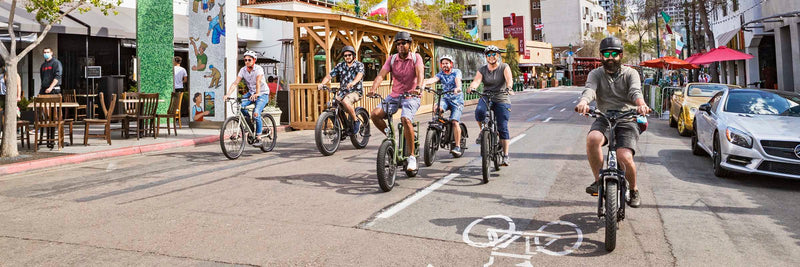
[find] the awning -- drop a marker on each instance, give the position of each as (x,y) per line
(26,22)
(726,37)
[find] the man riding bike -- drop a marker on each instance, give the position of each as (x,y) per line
(615,88)
(451,82)
(496,78)
(407,77)
(349,74)
(258,92)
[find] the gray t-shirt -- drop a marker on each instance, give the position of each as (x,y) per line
(495,81)
(613,91)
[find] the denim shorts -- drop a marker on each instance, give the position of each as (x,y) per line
(455,104)
(502,111)
(410,106)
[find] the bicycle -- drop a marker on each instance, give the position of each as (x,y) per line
(613,190)
(440,132)
(491,149)
(391,153)
(237,129)
(334,126)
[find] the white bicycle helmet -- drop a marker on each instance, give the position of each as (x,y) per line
(491,48)
(251,53)
(448,57)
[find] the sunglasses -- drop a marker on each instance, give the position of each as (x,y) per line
(348,55)
(248,59)
(610,54)
(491,54)
(402,43)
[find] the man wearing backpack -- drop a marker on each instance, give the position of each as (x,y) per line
(407,77)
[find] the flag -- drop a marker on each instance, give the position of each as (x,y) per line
(669,30)
(474,31)
(539,27)
(380,9)
(678,45)
(666,17)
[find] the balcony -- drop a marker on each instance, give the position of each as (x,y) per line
(324,3)
(470,14)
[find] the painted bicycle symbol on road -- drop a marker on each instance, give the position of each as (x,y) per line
(500,232)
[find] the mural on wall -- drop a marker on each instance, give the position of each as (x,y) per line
(207,59)
(154,37)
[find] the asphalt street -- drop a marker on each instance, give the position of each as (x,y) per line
(293,206)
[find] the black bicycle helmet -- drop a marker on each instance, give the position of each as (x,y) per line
(491,48)
(349,48)
(403,36)
(611,43)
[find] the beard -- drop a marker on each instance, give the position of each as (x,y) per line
(611,65)
(446,69)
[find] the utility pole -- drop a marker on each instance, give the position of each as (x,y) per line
(358,8)
(688,36)
(658,38)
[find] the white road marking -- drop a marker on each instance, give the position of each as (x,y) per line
(416,196)
(515,139)
(552,108)
(548,119)
(574,102)
(562,110)
(533,118)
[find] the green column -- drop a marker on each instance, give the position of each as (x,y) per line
(154,35)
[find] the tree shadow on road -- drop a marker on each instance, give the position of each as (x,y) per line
(356,184)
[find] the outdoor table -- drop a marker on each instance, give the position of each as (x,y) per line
(63,105)
(89,104)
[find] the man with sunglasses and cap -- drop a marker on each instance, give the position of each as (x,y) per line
(615,88)
(349,73)
(496,77)
(258,92)
(454,100)
(407,77)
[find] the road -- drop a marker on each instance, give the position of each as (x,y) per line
(292,206)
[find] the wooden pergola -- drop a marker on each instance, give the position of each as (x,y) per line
(328,33)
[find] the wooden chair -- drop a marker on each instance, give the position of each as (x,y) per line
(23,127)
(146,116)
(106,122)
(131,108)
(49,115)
(173,113)
(70,96)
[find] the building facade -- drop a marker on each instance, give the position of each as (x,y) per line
(781,19)
(568,22)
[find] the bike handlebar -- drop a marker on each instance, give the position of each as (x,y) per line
(596,113)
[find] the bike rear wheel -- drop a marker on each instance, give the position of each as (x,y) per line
(431,146)
(232,138)
(327,134)
(612,207)
(485,155)
(269,133)
(386,166)
(360,139)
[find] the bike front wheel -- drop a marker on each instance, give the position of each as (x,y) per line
(611,208)
(485,155)
(386,166)
(269,133)
(498,152)
(360,139)
(327,134)
(431,146)
(232,138)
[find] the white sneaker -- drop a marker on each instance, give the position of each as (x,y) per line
(412,163)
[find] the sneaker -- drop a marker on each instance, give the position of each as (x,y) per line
(593,188)
(504,161)
(412,163)
(456,151)
(356,127)
(258,143)
(634,202)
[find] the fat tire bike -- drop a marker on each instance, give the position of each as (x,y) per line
(440,132)
(333,126)
(240,129)
(391,152)
(613,189)
(491,149)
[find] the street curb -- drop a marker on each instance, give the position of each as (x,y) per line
(125,151)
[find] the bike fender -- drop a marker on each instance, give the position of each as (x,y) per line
(360,109)
(466,133)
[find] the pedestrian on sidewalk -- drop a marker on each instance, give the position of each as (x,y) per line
(51,72)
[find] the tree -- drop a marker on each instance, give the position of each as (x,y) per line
(48,12)
(511,57)
(400,12)
(639,25)
(444,18)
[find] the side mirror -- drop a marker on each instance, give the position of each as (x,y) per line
(705,107)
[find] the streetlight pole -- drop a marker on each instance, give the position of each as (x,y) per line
(358,8)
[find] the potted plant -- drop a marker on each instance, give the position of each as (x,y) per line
(26,113)
(273,109)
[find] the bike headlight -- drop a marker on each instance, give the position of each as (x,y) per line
(739,138)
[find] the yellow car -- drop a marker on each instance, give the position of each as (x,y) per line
(684,103)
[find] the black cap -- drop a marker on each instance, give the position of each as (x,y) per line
(611,43)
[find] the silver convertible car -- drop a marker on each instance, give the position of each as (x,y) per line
(750,131)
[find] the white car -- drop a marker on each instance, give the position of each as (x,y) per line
(750,131)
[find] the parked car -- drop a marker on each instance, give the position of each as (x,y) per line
(750,131)
(684,103)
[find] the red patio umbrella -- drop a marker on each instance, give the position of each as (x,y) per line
(671,63)
(721,53)
(694,57)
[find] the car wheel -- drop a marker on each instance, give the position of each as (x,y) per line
(696,149)
(682,126)
(672,122)
(718,170)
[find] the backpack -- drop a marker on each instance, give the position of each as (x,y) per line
(394,57)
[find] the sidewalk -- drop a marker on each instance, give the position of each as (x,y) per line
(98,148)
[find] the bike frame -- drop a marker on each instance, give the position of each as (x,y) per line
(335,106)
(612,172)
(489,123)
(237,110)
(399,144)
(443,126)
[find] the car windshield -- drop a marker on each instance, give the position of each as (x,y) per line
(763,103)
(706,90)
